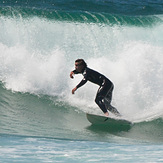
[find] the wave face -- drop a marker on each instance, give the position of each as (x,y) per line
(39,42)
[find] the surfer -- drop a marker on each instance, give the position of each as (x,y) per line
(104,93)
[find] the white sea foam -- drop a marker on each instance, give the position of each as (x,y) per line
(37,56)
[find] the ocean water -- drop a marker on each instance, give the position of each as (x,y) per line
(40,120)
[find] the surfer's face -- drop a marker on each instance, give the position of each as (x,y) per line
(78,67)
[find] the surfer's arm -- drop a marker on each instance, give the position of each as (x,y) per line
(73,91)
(72,73)
(79,85)
(83,81)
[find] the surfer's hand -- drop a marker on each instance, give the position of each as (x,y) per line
(73,91)
(71,74)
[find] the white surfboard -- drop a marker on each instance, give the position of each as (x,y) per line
(99,120)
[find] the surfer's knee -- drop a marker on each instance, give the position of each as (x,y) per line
(99,100)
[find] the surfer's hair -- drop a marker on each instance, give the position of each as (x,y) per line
(81,62)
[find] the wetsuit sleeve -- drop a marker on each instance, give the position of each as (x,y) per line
(75,72)
(84,80)
(81,83)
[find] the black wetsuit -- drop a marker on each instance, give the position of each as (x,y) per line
(104,93)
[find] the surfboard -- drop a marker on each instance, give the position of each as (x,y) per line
(103,120)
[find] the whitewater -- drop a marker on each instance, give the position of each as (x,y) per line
(41,121)
(37,56)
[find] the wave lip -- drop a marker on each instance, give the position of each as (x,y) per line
(112,7)
(82,16)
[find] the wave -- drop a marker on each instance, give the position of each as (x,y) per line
(48,117)
(37,56)
(38,53)
(81,16)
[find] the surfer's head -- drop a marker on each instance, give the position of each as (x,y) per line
(80,64)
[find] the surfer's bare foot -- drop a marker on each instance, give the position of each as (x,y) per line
(106,114)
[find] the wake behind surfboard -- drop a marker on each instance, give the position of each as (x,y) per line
(103,120)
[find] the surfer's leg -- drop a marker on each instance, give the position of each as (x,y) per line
(100,99)
(113,110)
(100,102)
(107,101)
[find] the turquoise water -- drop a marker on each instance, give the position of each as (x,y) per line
(40,120)
(30,149)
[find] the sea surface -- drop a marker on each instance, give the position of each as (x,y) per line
(40,120)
